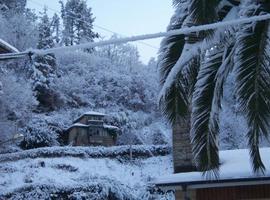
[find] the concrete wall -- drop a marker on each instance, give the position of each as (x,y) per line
(182,149)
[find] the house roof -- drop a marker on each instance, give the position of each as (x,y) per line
(110,127)
(235,169)
(7,48)
(77,125)
(94,113)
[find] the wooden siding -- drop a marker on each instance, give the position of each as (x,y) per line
(82,120)
(85,118)
(179,195)
(258,192)
(80,136)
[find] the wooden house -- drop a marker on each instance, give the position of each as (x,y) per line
(7,48)
(236,181)
(89,130)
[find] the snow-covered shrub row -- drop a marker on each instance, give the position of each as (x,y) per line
(138,151)
(95,190)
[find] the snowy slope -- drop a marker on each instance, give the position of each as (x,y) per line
(49,177)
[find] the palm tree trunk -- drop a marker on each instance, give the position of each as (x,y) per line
(182,147)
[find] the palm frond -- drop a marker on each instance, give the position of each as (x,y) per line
(201,12)
(253,84)
(169,53)
(204,117)
(225,7)
(189,74)
(224,71)
(171,47)
(174,104)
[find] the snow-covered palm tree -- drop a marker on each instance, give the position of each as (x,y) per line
(194,68)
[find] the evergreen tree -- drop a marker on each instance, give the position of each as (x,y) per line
(77,21)
(12,5)
(56,28)
(45,33)
(44,67)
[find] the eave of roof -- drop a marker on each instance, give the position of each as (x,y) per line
(214,183)
(80,125)
(94,113)
(91,113)
(77,125)
(235,169)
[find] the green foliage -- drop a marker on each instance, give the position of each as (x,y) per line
(200,81)
(253,78)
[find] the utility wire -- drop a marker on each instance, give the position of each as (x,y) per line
(181,31)
(97,26)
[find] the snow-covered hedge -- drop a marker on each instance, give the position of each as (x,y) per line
(138,151)
(101,189)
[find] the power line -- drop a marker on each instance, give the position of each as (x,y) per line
(97,26)
(182,31)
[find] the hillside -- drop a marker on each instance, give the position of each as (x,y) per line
(75,176)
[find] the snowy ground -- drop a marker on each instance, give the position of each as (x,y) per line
(128,178)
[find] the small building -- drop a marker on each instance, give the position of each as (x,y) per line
(89,130)
(7,48)
(236,181)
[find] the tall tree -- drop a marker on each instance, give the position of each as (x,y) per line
(194,69)
(12,5)
(56,28)
(77,21)
(44,66)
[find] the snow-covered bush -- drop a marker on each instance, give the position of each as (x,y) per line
(38,134)
(16,98)
(19,29)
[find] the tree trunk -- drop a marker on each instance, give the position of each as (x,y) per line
(182,147)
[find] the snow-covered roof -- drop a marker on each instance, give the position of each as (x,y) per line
(94,113)
(90,113)
(235,165)
(110,126)
(78,125)
(8,47)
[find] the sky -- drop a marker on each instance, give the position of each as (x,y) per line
(125,17)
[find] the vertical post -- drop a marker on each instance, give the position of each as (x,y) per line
(182,147)
(185,193)
(130,152)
